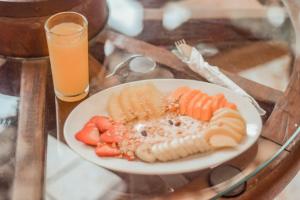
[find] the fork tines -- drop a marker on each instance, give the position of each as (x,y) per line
(179,42)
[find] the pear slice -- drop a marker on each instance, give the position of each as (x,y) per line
(114,108)
(222,141)
(234,123)
(155,100)
(136,97)
(226,112)
(222,130)
(126,103)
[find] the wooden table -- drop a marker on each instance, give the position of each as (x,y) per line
(243,38)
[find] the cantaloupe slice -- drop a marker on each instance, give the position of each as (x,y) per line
(222,141)
(206,112)
(234,123)
(198,106)
(231,106)
(175,95)
(185,99)
(192,103)
(226,112)
(222,103)
(222,130)
(216,101)
(126,103)
(114,108)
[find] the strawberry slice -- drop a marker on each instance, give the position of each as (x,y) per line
(107,151)
(109,137)
(102,123)
(88,135)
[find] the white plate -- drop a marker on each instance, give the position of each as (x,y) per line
(96,105)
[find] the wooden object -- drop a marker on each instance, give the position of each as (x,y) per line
(22,28)
(31,139)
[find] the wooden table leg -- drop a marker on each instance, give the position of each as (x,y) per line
(31,138)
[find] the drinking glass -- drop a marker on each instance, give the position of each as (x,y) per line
(67,39)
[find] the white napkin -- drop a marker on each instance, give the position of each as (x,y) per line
(197,63)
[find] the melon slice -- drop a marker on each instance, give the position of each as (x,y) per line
(185,99)
(216,100)
(175,95)
(206,112)
(198,106)
(192,103)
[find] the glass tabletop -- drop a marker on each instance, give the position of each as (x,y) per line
(252,41)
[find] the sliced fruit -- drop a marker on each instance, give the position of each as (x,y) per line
(105,150)
(198,106)
(192,103)
(175,95)
(155,99)
(222,141)
(126,103)
(144,153)
(137,96)
(109,137)
(234,123)
(102,123)
(216,101)
(206,112)
(185,100)
(114,108)
(222,103)
(88,135)
(226,112)
(231,106)
(222,130)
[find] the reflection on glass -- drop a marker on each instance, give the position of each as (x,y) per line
(175,15)
(126,16)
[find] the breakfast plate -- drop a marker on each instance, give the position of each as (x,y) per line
(97,105)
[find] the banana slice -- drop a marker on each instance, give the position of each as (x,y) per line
(234,123)
(114,108)
(226,112)
(144,153)
(222,130)
(222,141)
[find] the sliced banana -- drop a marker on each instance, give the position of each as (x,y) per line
(226,112)
(222,130)
(180,148)
(144,153)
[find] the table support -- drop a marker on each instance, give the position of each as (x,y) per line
(31,138)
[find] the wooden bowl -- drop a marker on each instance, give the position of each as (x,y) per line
(22,23)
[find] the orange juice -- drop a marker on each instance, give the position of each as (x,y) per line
(68,51)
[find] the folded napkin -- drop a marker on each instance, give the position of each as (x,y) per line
(197,63)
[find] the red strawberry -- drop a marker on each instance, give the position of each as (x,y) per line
(88,135)
(109,137)
(102,123)
(107,151)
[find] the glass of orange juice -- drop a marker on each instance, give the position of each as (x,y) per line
(67,39)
